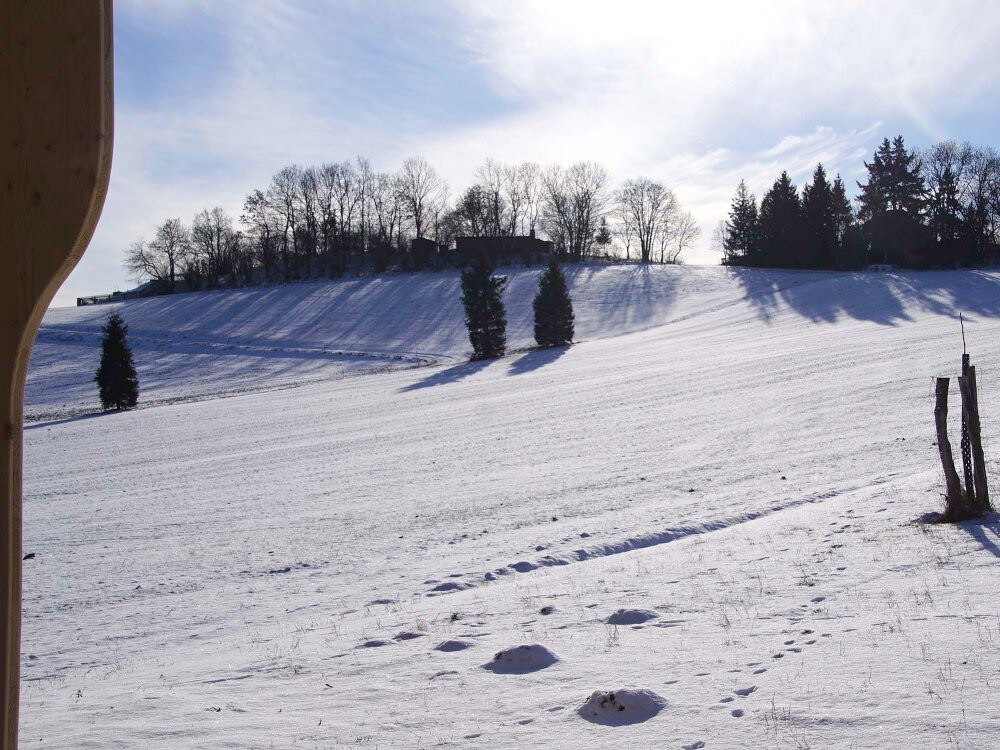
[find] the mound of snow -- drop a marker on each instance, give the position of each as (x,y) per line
(521,659)
(452,586)
(621,707)
(631,617)
(453,646)
(408,635)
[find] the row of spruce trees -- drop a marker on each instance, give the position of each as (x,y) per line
(486,316)
(915,210)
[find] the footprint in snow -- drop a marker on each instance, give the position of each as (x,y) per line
(696,745)
(760,671)
(408,635)
(736,712)
(375,643)
(523,567)
(744,692)
(727,699)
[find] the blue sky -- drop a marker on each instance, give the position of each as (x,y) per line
(213,98)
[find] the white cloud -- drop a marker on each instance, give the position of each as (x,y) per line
(696,94)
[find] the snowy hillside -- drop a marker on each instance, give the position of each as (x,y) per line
(706,508)
(206,344)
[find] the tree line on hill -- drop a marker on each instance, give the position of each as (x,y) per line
(938,208)
(345,217)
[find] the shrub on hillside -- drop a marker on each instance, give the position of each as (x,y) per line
(117,382)
(485,317)
(553,308)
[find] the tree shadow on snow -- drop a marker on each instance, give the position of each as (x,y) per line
(535,359)
(66,420)
(448,375)
(885,298)
(986,531)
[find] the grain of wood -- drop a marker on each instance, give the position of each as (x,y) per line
(55,161)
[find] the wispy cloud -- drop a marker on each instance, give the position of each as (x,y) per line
(212,98)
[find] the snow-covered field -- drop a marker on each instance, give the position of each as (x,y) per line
(706,507)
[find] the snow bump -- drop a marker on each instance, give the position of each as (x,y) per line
(631,617)
(621,707)
(453,645)
(521,659)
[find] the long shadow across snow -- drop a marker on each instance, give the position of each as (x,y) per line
(878,297)
(448,375)
(979,530)
(535,359)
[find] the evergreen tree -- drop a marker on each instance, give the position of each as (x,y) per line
(602,238)
(945,220)
(740,239)
(485,317)
(909,192)
(873,201)
(553,308)
(117,383)
(892,204)
(781,225)
(818,215)
(851,249)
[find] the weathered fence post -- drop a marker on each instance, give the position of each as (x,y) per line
(956,506)
(979,492)
(966,445)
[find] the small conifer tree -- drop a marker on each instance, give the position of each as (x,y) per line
(553,308)
(485,316)
(117,382)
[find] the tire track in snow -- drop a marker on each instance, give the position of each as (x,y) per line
(653,539)
(260,349)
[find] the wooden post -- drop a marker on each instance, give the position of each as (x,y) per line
(970,409)
(955,502)
(965,447)
(55,161)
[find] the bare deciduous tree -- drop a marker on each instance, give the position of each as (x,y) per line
(422,193)
(163,258)
(573,201)
(263,225)
(650,210)
(684,234)
(215,244)
(282,194)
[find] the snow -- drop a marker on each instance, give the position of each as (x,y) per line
(620,707)
(521,659)
(742,454)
